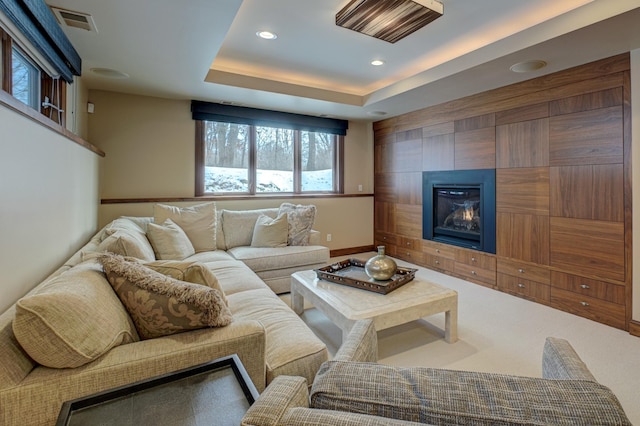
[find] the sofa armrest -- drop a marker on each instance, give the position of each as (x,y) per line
(561,362)
(361,343)
(282,394)
(313,417)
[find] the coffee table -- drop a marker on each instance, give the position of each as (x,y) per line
(345,305)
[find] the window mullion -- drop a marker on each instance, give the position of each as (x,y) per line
(253,161)
(297,162)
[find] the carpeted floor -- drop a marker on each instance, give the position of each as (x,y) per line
(503,334)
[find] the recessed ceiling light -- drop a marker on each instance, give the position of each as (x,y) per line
(377,62)
(267,35)
(377,113)
(109,73)
(528,66)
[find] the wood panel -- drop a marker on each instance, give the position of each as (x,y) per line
(384,217)
(531,290)
(590,137)
(602,99)
(408,220)
(523,144)
(614,293)
(589,307)
(523,236)
(384,136)
(438,152)
(475,149)
(524,113)
(524,270)
(523,191)
(588,192)
(403,156)
(409,188)
(475,123)
(438,129)
(588,247)
(409,135)
(385,187)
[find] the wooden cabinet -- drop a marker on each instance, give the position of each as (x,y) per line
(527,280)
(439,256)
(589,307)
(475,266)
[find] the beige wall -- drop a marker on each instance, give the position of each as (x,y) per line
(149,144)
(49,209)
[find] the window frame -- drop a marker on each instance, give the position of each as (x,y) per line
(200,154)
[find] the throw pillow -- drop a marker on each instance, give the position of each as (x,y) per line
(73,320)
(270,232)
(300,220)
(198,222)
(238,225)
(191,272)
(135,241)
(125,244)
(160,305)
(169,241)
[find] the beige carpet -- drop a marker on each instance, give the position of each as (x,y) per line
(503,334)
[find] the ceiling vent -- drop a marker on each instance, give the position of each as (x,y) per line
(73,19)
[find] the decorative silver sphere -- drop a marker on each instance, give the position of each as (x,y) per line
(380,267)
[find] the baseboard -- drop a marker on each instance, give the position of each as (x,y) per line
(634,328)
(351,250)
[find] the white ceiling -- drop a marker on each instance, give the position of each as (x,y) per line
(208,50)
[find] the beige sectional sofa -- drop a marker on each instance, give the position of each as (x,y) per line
(93,346)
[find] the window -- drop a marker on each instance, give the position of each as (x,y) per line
(249,159)
(250,151)
(25,79)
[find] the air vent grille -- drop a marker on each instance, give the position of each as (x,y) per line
(73,19)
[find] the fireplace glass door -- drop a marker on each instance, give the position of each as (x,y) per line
(457,213)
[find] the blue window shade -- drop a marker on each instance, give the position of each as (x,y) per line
(261,117)
(34,19)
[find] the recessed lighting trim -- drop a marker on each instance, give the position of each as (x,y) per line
(528,66)
(377,62)
(377,113)
(109,73)
(267,35)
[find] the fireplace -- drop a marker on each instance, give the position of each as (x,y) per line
(459,208)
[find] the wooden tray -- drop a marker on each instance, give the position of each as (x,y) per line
(351,273)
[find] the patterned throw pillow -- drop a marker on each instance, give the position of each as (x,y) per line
(160,305)
(300,220)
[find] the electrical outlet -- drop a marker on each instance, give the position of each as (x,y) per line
(328,237)
(359,188)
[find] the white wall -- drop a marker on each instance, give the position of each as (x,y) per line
(49,193)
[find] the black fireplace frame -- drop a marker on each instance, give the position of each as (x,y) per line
(485,180)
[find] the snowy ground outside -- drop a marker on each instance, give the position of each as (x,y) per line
(221,179)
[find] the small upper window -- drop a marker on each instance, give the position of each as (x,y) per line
(25,79)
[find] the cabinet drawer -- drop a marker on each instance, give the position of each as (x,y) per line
(589,307)
(412,256)
(475,274)
(539,292)
(410,243)
(609,292)
(476,259)
(382,239)
(439,250)
(524,270)
(439,262)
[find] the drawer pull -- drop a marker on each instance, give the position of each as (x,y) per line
(408,243)
(437,250)
(474,273)
(584,286)
(437,262)
(520,285)
(521,270)
(473,259)
(584,303)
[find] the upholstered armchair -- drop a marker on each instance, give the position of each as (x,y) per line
(352,389)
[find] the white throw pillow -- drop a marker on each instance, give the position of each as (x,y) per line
(300,220)
(270,232)
(169,241)
(198,222)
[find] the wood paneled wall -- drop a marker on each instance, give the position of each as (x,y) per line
(561,147)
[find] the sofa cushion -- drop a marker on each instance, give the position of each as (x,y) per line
(301,220)
(191,272)
(126,237)
(292,348)
(439,396)
(169,241)
(238,225)
(160,305)
(73,319)
(198,222)
(270,232)
(234,276)
(266,259)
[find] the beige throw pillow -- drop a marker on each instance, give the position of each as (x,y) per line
(198,222)
(73,319)
(300,220)
(191,272)
(160,305)
(238,225)
(270,232)
(126,237)
(169,241)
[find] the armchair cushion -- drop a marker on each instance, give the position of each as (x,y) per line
(361,343)
(440,396)
(560,361)
(282,394)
